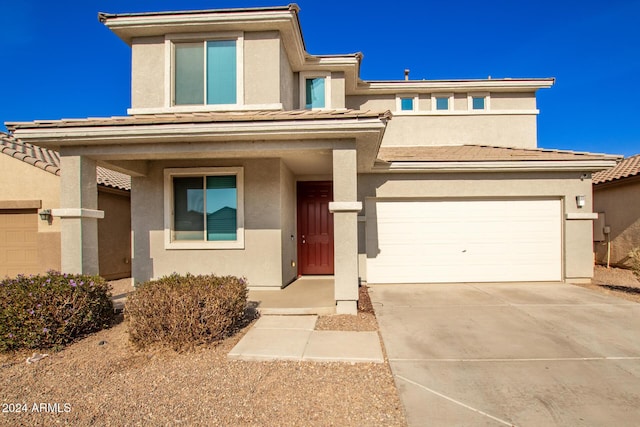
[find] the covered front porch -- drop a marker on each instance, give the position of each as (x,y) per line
(265,154)
(306,295)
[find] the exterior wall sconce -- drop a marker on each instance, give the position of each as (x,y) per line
(45,215)
(580,201)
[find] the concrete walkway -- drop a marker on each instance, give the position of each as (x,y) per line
(294,338)
(511,354)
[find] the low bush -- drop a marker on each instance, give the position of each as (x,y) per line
(52,310)
(183,311)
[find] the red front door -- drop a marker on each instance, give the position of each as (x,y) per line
(315,227)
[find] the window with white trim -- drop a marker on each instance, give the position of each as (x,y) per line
(442,101)
(406,103)
(478,101)
(315,90)
(206,71)
(204,208)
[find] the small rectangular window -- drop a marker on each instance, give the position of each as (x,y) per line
(477,103)
(315,93)
(406,104)
(442,103)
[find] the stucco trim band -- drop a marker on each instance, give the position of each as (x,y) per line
(345,206)
(20,204)
(588,215)
(77,213)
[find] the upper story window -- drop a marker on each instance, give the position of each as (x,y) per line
(315,90)
(442,101)
(206,69)
(478,101)
(406,103)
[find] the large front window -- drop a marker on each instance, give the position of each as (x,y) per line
(205,72)
(204,207)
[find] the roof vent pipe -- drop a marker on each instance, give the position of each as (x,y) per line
(406,74)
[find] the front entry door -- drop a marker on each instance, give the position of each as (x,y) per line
(315,227)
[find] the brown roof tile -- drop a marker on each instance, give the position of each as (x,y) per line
(202,117)
(480,153)
(49,160)
(626,168)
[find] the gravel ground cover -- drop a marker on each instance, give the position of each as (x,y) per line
(618,282)
(102,380)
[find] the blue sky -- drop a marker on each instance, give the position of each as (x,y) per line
(60,62)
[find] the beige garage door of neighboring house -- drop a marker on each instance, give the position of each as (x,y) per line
(18,242)
(456,241)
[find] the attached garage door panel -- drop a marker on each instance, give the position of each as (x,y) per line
(18,243)
(465,241)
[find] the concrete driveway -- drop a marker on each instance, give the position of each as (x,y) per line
(511,354)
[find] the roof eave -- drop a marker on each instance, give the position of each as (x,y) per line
(228,131)
(530,85)
(495,166)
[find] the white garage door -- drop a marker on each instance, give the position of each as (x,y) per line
(464,241)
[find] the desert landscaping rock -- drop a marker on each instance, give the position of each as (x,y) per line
(116,385)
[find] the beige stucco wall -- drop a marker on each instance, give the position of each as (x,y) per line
(493,130)
(578,260)
(288,83)
(34,184)
(261,67)
(288,224)
(499,129)
(261,259)
(147,75)
(621,206)
(114,233)
(337,90)
(513,101)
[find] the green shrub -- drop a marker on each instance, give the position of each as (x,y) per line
(183,311)
(52,310)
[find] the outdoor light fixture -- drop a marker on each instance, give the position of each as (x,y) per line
(580,201)
(45,214)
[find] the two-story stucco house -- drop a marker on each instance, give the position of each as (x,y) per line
(250,156)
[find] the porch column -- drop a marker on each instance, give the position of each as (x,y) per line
(345,210)
(78,215)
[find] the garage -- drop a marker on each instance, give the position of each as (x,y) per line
(457,241)
(18,242)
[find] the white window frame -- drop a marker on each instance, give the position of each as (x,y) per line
(400,97)
(434,102)
(304,75)
(485,95)
(171,40)
(169,174)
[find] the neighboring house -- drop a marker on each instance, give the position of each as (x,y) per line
(616,198)
(29,186)
(250,156)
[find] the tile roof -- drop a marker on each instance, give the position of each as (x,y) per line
(49,160)
(480,153)
(202,117)
(627,168)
